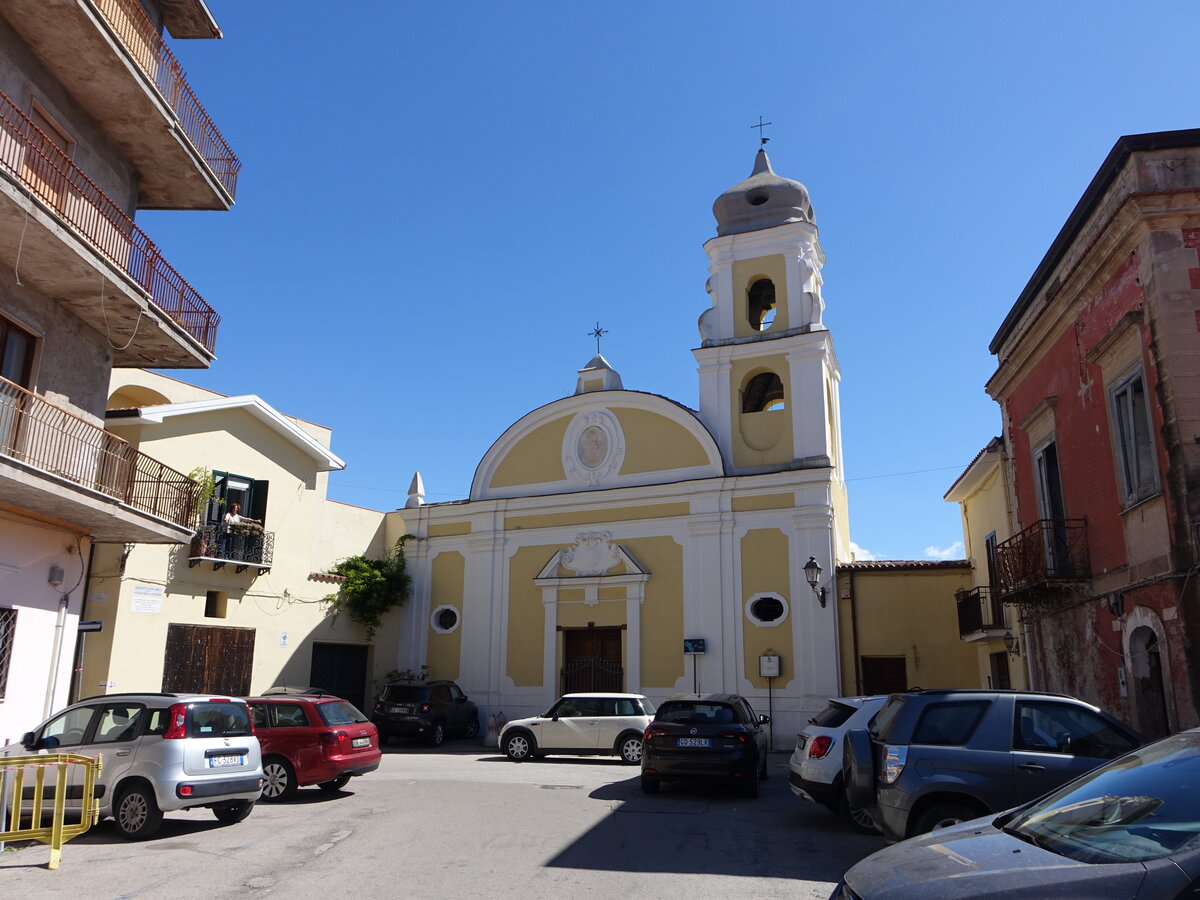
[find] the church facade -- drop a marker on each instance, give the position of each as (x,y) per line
(607,528)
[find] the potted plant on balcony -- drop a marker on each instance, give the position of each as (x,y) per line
(206,486)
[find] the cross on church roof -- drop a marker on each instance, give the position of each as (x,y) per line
(760,126)
(598,333)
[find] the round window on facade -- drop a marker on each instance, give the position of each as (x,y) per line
(766,609)
(445,619)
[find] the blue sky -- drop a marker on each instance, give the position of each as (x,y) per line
(439,200)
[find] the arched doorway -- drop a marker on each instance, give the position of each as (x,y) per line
(1149,694)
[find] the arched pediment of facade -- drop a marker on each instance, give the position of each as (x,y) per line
(597,441)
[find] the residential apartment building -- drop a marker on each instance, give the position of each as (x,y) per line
(992,627)
(96,122)
(238,609)
(1097,381)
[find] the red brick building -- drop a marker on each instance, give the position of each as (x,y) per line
(1097,380)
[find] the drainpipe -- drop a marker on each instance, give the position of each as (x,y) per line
(854,636)
(56,654)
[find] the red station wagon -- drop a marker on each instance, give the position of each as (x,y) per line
(311,739)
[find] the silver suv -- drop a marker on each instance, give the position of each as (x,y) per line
(161,752)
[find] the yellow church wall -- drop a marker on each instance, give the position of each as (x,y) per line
(526,617)
(765,569)
(761,438)
(662,611)
(654,443)
(765,501)
(597,516)
(446,581)
(910,614)
(745,273)
(536,458)
(613,593)
(449,529)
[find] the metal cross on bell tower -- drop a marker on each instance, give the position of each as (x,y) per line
(598,333)
(760,126)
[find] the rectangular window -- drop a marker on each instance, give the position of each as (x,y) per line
(8,633)
(229,489)
(16,353)
(1131,434)
(215,604)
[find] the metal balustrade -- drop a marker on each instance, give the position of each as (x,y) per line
(1049,552)
(42,168)
(135,30)
(38,433)
(245,546)
(979,610)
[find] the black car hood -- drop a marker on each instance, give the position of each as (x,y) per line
(976,860)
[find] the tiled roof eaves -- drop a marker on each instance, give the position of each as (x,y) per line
(890,565)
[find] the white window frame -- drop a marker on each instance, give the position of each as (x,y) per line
(1133,451)
(760,622)
(433,619)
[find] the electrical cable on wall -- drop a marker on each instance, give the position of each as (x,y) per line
(20,247)
(108,327)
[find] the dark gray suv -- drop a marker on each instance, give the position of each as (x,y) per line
(933,758)
(430,710)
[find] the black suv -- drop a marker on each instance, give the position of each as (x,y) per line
(431,710)
(933,758)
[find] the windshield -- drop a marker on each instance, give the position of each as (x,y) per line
(340,712)
(1143,806)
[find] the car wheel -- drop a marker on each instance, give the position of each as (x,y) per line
(279,779)
(234,811)
(438,735)
(943,815)
(629,748)
(856,818)
(335,784)
(858,769)
(472,729)
(518,747)
(137,813)
(649,785)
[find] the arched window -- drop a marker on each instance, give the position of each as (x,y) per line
(760,304)
(763,392)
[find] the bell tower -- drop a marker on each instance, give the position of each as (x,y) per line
(769,380)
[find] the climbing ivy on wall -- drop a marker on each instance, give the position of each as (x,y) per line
(371,588)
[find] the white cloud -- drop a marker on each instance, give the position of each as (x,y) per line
(859,554)
(954,551)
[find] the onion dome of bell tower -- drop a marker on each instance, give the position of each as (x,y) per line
(763,200)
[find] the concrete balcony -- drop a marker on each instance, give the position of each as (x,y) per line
(244,546)
(980,614)
(110,57)
(63,468)
(62,235)
(1043,564)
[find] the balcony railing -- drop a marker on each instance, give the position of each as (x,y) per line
(1047,552)
(141,39)
(38,164)
(243,545)
(979,610)
(54,440)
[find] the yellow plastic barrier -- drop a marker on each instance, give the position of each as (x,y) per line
(18,808)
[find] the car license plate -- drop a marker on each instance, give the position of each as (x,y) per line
(693,742)
(801,742)
(227,760)
(361,742)
(403,710)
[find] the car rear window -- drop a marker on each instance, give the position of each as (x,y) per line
(405,693)
(949,724)
(339,712)
(687,713)
(833,715)
(881,724)
(217,719)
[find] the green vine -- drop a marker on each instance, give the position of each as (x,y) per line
(371,588)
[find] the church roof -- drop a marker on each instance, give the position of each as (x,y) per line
(763,200)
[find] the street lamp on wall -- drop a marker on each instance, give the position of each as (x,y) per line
(1012,645)
(813,573)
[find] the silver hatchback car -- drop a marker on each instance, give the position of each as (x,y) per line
(161,752)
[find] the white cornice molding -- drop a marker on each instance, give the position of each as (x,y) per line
(251,403)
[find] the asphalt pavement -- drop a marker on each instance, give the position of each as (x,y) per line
(463,821)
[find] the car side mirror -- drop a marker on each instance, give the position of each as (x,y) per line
(27,741)
(764,720)
(461,699)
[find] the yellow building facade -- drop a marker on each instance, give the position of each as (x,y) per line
(606,528)
(239,609)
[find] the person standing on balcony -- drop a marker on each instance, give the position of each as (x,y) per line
(232,518)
